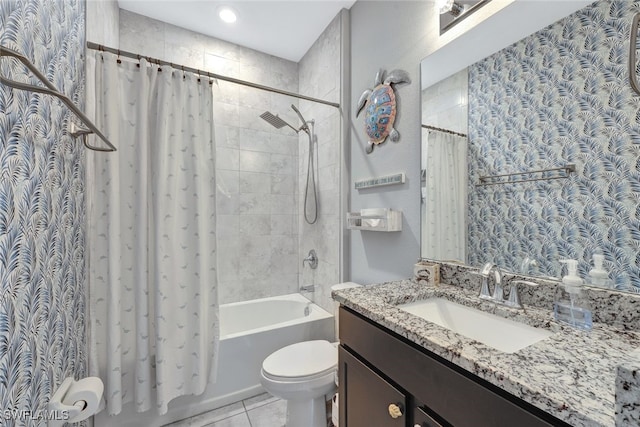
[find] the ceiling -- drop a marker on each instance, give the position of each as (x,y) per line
(286,29)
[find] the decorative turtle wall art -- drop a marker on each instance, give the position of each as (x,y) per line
(381,108)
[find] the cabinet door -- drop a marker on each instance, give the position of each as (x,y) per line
(366,399)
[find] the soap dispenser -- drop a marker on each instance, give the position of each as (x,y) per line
(571,305)
(598,275)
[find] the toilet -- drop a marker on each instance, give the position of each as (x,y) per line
(303,374)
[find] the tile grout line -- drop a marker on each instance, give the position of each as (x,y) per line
(246,413)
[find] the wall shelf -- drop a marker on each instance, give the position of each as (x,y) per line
(391,220)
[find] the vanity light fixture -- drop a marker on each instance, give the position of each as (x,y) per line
(454,11)
(449,6)
(227,14)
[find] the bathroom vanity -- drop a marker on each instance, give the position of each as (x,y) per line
(385,377)
(397,369)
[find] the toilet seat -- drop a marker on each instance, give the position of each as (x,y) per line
(301,361)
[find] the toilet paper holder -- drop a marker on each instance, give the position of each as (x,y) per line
(65,412)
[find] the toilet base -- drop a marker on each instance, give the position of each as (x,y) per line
(307,413)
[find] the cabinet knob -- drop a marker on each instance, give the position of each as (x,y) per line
(395,411)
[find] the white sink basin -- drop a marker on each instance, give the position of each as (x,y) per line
(502,334)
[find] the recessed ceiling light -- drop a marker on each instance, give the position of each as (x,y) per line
(227,14)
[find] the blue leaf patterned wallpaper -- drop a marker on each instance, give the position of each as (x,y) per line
(42,236)
(559,96)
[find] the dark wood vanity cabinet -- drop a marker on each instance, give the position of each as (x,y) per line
(378,368)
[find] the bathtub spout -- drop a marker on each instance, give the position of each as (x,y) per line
(308,288)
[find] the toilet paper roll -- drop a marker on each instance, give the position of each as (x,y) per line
(88,390)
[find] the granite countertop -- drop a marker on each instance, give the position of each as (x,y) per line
(571,374)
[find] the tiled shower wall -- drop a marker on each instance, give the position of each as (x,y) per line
(42,235)
(257,228)
(320,72)
(445,104)
(103,17)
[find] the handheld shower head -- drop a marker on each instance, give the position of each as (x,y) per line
(293,107)
(277,122)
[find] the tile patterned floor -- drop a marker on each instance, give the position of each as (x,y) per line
(263,410)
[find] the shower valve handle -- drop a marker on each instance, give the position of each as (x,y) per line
(312,259)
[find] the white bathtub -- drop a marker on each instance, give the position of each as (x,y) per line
(249,332)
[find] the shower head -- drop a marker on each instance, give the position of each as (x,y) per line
(275,120)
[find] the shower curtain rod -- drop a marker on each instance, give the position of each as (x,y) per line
(444,130)
(119,52)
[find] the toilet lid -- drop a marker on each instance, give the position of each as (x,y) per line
(302,359)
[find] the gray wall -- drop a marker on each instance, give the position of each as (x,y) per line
(387,35)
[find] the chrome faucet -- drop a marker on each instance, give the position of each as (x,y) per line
(312,259)
(498,290)
(485,272)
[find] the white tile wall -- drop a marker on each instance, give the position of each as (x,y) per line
(103,22)
(261,170)
(445,104)
(256,163)
(320,77)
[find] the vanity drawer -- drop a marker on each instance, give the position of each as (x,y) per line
(422,419)
(456,395)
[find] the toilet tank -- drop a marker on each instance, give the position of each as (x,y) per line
(336,305)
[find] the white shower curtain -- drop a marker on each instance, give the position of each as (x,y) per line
(151,234)
(444,231)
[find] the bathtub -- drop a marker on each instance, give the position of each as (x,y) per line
(249,332)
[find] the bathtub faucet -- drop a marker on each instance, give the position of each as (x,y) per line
(307,288)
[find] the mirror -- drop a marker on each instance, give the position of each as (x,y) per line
(557,97)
